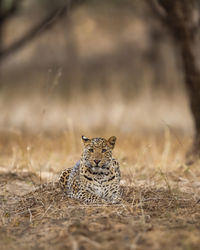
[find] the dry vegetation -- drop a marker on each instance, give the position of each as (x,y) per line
(100,82)
(160,207)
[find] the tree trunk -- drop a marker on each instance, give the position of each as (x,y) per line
(181,20)
(1,36)
(1,24)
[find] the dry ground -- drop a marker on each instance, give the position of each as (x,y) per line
(96,89)
(160,207)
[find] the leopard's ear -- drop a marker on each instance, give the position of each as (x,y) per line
(112,141)
(85,139)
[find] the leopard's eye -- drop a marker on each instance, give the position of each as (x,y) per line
(104,150)
(91,150)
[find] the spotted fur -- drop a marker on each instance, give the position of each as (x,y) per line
(96,177)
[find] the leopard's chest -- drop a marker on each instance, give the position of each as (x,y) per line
(98,187)
(98,184)
(99,181)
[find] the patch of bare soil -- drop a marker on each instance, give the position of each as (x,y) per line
(34,216)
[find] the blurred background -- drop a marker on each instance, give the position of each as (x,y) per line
(89,65)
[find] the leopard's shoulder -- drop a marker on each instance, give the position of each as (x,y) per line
(67,176)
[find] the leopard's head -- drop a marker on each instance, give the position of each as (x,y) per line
(97,152)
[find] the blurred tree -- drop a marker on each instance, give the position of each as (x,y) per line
(8,8)
(182,19)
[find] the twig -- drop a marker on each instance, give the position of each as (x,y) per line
(46,210)
(30,215)
(92,242)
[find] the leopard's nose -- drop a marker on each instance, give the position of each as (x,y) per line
(97,161)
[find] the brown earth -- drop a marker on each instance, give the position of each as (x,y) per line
(160,207)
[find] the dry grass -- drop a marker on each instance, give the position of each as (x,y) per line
(101,86)
(160,206)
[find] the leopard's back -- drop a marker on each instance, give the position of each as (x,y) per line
(69,177)
(64,176)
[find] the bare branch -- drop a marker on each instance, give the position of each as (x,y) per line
(12,10)
(37,30)
(157,10)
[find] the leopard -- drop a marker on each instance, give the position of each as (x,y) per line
(95,178)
